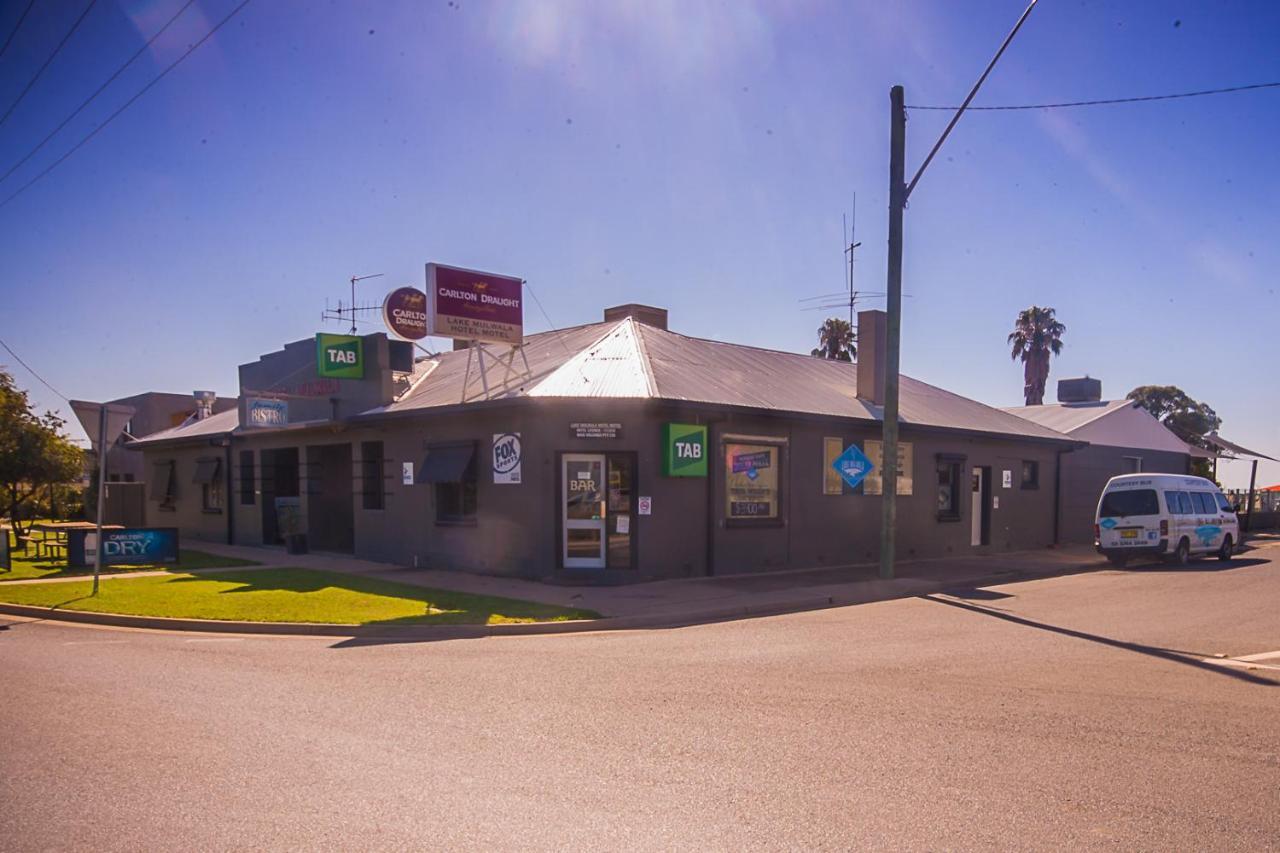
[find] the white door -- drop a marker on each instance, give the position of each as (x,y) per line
(584,510)
(976,509)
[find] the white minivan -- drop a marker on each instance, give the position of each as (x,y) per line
(1174,516)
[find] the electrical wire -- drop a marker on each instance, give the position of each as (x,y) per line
(40,71)
(33,373)
(91,134)
(1139,99)
(99,91)
(16,27)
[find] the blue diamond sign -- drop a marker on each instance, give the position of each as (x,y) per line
(853,465)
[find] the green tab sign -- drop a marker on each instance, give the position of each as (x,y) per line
(339,356)
(684,450)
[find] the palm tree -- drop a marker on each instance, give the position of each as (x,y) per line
(1035,336)
(835,340)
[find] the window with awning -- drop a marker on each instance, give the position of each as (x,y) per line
(451,469)
(163,482)
(447,463)
(207,470)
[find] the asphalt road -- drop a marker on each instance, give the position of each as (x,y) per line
(1074,711)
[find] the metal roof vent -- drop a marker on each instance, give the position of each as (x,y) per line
(204,403)
(647,314)
(1081,390)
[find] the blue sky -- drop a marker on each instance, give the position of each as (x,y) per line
(692,155)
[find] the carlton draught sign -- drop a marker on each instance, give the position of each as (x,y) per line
(474,306)
(405,313)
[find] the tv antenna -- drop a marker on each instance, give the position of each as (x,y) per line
(850,297)
(349,312)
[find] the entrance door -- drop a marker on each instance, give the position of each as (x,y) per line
(585,514)
(330,501)
(279,480)
(978,508)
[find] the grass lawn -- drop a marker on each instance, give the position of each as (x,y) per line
(26,567)
(287,595)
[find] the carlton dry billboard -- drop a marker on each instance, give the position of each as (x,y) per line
(474,306)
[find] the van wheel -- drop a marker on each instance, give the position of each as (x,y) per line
(1118,560)
(1181,554)
(1227,550)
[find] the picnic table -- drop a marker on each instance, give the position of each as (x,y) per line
(59,530)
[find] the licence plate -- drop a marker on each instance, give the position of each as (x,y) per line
(1128,534)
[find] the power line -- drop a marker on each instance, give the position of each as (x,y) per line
(1111,100)
(100,90)
(40,71)
(91,134)
(33,373)
(16,27)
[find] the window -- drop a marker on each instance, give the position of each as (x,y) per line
(1030,474)
(874,482)
(1179,503)
(451,469)
(832,482)
(164,484)
(371,467)
(1135,502)
(208,476)
(456,501)
(1223,504)
(1131,465)
(246,478)
(1204,503)
(751,478)
(949,487)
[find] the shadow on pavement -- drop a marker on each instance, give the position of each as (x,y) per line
(1173,655)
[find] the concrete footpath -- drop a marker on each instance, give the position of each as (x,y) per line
(668,603)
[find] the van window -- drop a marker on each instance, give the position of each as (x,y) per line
(1200,503)
(1179,503)
(1136,502)
(1223,503)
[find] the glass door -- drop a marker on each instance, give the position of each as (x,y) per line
(585,513)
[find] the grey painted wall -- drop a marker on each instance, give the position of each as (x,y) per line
(518,533)
(1086,471)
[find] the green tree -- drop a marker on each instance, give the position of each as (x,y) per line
(835,340)
(34,453)
(1036,336)
(1189,419)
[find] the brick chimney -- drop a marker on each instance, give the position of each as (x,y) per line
(872,331)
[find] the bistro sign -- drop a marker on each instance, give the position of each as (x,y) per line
(266,413)
(474,306)
(405,313)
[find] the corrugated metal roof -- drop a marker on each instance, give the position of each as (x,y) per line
(1067,417)
(546,352)
(612,366)
(629,359)
(219,424)
(626,359)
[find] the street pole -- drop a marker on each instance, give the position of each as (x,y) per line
(102,491)
(893,323)
(1248,507)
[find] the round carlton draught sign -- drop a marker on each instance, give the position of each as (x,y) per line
(405,313)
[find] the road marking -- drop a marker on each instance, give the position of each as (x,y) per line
(1246,661)
(216,640)
(92,642)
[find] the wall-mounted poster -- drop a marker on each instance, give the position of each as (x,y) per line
(874,483)
(506,457)
(751,480)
